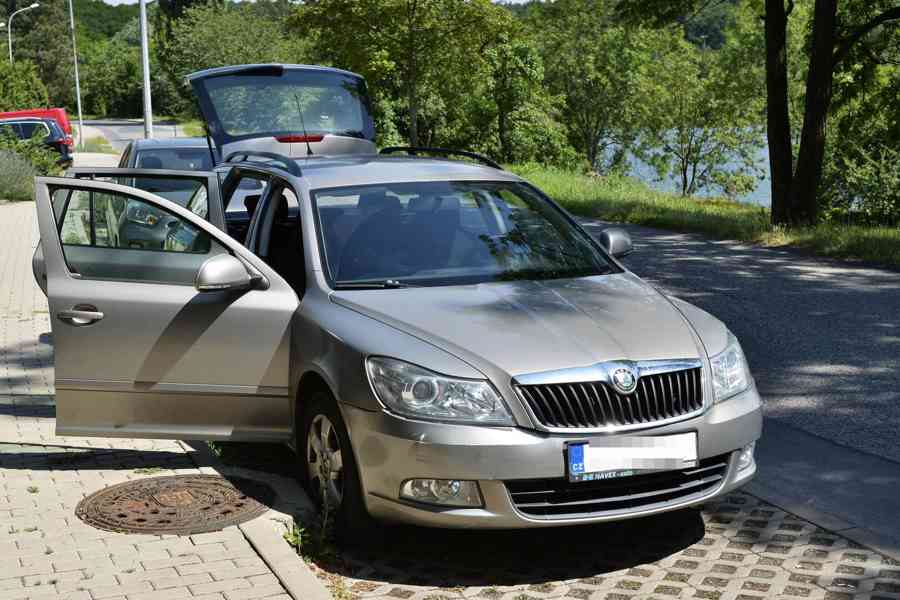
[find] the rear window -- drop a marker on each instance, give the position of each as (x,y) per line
(315,102)
(176,159)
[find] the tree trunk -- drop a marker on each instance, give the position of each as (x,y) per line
(503,132)
(778,120)
(804,191)
(412,74)
(413,102)
(590,149)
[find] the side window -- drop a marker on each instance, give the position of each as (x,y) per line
(113,236)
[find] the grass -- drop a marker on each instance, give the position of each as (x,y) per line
(192,128)
(626,200)
(97,144)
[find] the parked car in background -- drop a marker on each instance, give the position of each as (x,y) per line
(190,154)
(57,114)
(183,154)
(26,128)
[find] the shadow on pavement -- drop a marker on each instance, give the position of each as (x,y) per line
(457,558)
(32,457)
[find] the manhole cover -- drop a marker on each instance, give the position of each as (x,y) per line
(179,504)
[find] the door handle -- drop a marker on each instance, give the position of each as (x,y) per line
(80,315)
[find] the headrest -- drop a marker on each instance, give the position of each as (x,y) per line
(151,162)
(423,203)
(450,203)
(377,201)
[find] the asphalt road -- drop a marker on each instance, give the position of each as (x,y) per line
(121,131)
(822,337)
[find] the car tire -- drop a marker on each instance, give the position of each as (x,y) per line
(321,419)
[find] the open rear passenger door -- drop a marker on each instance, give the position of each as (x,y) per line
(187,336)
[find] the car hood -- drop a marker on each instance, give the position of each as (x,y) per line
(533,326)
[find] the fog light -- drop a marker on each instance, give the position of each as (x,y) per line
(445,492)
(745,460)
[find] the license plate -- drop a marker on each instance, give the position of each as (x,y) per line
(630,455)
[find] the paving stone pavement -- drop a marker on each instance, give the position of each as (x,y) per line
(738,548)
(46,552)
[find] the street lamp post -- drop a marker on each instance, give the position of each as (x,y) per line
(77,81)
(145,67)
(9,26)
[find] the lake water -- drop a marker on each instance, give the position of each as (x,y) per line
(761,196)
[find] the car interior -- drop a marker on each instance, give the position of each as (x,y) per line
(282,249)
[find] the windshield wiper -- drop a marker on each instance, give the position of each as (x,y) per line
(384,284)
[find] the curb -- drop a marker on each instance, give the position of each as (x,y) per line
(265,535)
(880,543)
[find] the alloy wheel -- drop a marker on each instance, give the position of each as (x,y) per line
(324,462)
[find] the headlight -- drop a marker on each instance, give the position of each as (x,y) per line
(416,392)
(729,371)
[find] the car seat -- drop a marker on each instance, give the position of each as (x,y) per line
(375,243)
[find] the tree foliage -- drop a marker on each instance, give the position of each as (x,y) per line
(41,37)
(21,86)
(216,35)
(845,37)
(596,67)
(700,129)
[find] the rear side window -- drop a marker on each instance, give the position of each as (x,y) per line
(32,129)
(113,236)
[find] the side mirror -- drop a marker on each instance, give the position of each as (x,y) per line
(616,241)
(222,272)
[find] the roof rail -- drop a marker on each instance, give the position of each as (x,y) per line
(415,150)
(279,159)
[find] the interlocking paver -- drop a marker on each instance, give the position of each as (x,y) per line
(45,551)
(691,554)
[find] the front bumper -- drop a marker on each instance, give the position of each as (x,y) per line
(391,449)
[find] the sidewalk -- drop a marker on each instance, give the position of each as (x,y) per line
(45,550)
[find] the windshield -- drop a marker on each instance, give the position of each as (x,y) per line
(297,101)
(444,233)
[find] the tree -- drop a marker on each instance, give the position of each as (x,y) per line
(697,125)
(595,66)
(217,35)
(838,29)
(21,86)
(517,74)
(40,37)
(400,44)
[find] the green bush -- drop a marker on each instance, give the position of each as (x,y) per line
(16,177)
(20,162)
(865,187)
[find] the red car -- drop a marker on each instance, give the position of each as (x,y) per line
(57,114)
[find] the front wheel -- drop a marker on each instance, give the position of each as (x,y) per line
(328,468)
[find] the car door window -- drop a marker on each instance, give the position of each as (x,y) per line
(114,236)
(32,129)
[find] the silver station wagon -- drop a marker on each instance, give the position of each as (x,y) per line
(440,342)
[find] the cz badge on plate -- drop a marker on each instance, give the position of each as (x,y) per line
(624,456)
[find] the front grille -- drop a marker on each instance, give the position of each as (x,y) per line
(559,498)
(597,404)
